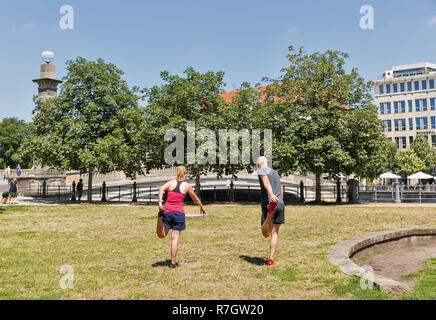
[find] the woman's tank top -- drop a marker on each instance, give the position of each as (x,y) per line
(175,199)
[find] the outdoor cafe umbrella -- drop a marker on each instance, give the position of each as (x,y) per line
(420,176)
(389,175)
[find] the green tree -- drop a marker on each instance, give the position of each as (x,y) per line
(12,134)
(334,121)
(408,162)
(425,152)
(193,97)
(92,125)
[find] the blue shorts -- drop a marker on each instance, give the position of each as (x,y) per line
(174,221)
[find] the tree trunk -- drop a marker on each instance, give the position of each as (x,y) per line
(197,185)
(89,186)
(318,187)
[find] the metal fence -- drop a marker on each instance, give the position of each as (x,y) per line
(407,193)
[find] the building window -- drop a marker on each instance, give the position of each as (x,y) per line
(403,106)
(424,104)
(397,124)
(425,123)
(382,108)
(396,107)
(410,140)
(409,86)
(433,122)
(381,89)
(418,123)
(388,88)
(410,105)
(388,125)
(388,108)
(401,142)
(433,140)
(417,105)
(403,125)
(395,87)
(416,85)
(431,82)
(410,124)
(424,85)
(432,104)
(402,87)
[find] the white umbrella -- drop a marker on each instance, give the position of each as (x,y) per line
(420,176)
(389,175)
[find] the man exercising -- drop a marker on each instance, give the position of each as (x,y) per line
(273,207)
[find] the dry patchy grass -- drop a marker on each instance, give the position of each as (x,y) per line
(116,255)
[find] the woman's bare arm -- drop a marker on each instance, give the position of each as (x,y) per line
(162,189)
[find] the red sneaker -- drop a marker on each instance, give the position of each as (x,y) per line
(270,263)
(272,207)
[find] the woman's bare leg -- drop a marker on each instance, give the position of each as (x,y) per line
(174,245)
(161,231)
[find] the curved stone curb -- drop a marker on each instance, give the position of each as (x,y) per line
(198,216)
(340,255)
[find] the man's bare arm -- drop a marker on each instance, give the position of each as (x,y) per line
(268,188)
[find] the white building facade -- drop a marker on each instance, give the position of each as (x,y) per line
(406,98)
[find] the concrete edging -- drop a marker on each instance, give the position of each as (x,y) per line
(341,253)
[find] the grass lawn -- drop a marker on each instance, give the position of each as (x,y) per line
(116,255)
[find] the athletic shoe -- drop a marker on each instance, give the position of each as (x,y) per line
(270,263)
(272,207)
(161,214)
(173,266)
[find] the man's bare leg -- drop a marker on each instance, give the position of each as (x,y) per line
(161,231)
(267,226)
(174,245)
(274,240)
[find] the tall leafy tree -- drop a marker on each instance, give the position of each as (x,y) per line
(425,152)
(408,162)
(92,125)
(334,120)
(190,98)
(12,134)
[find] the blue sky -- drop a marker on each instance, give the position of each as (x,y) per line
(247,39)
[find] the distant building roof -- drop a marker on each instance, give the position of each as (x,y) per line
(228,96)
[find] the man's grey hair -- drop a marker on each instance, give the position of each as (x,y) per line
(261,160)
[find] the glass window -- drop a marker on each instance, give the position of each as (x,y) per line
(381,89)
(418,123)
(433,122)
(431,83)
(424,104)
(432,104)
(401,142)
(397,125)
(417,105)
(409,86)
(395,87)
(402,87)
(410,105)
(410,140)
(433,140)
(424,85)
(403,125)
(425,123)
(416,85)
(382,108)
(388,125)
(411,124)
(396,107)
(403,106)
(388,88)
(388,108)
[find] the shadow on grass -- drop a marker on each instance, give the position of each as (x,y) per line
(255,260)
(165,263)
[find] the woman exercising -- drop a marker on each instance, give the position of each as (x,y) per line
(172,216)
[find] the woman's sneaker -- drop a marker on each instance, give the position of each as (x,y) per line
(270,263)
